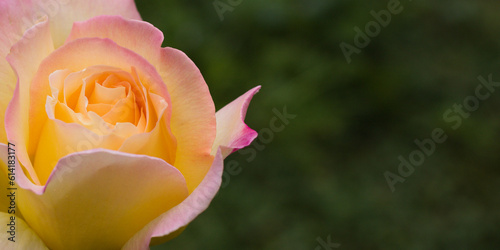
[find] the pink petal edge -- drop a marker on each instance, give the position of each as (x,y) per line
(232,132)
(140,36)
(24,58)
(184,213)
(95,174)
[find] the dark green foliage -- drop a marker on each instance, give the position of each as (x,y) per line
(324,173)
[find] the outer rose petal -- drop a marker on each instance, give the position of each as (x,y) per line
(77,10)
(25,56)
(141,37)
(181,215)
(193,110)
(193,115)
(99,199)
(25,237)
(19,15)
(232,132)
(11,31)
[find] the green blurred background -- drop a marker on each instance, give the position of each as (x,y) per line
(322,177)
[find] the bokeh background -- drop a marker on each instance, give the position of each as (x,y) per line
(322,177)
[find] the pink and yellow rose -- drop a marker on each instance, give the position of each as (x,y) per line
(117,141)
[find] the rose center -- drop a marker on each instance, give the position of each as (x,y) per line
(100,98)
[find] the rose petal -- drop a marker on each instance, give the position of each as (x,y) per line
(182,214)
(232,132)
(24,238)
(141,37)
(122,111)
(152,143)
(193,115)
(6,92)
(62,18)
(12,29)
(56,82)
(193,111)
(20,15)
(24,57)
(103,94)
(100,109)
(103,195)
(55,143)
(8,81)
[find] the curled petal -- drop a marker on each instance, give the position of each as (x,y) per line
(107,192)
(174,220)
(232,132)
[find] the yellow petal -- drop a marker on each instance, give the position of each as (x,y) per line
(158,143)
(99,199)
(55,143)
(107,95)
(172,222)
(25,57)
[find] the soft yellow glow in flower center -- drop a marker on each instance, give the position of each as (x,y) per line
(103,99)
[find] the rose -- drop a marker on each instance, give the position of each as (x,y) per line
(116,139)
